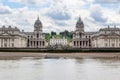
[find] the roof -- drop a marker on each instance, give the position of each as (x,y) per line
(38,22)
(110,29)
(9,28)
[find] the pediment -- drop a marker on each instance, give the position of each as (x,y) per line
(114,34)
(5,34)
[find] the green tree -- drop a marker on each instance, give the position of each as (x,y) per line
(53,33)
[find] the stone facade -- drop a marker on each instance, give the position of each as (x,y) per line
(104,38)
(36,39)
(107,38)
(81,39)
(13,37)
(58,41)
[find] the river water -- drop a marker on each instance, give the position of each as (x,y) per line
(60,69)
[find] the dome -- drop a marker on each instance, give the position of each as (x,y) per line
(79,23)
(38,22)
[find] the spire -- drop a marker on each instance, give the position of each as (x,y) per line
(79,18)
(38,18)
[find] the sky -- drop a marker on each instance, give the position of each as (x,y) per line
(60,15)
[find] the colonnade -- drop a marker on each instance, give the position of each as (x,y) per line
(36,44)
(81,44)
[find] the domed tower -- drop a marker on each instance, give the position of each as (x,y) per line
(38,28)
(38,25)
(79,32)
(80,26)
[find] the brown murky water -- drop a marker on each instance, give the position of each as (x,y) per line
(60,69)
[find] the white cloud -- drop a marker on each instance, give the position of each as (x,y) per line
(63,14)
(5,9)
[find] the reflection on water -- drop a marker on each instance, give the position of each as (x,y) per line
(60,69)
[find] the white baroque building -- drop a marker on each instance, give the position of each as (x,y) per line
(107,38)
(81,39)
(36,39)
(104,38)
(14,38)
(58,41)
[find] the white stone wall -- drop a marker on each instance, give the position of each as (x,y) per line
(113,42)
(58,42)
(11,43)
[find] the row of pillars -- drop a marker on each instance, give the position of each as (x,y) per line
(81,44)
(36,44)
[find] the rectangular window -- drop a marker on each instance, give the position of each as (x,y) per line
(113,45)
(5,40)
(5,44)
(105,44)
(12,40)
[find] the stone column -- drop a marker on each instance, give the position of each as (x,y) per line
(34,44)
(0,43)
(78,44)
(40,43)
(87,43)
(3,43)
(9,41)
(81,43)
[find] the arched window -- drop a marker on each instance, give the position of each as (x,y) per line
(80,35)
(37,35)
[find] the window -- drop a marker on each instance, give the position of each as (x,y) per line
(37,35)
(113,44)
(5,44)
(13,40)
(5,40)
(105,44)
(89,36)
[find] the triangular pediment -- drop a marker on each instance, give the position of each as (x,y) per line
(5,34)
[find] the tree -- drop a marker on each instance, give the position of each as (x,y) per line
(47,37)
(53,33)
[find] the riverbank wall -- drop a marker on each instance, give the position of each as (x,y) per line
(70,50)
